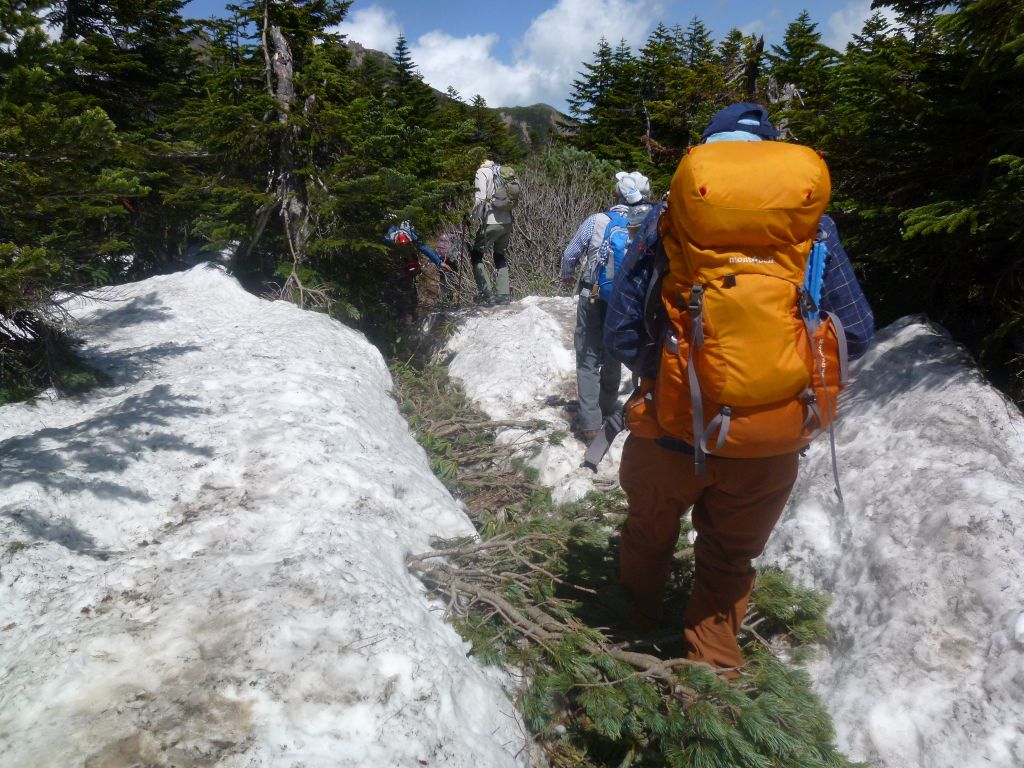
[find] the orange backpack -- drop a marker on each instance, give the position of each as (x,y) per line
(744,372)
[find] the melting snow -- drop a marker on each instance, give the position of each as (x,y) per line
(924,560)
(204,563)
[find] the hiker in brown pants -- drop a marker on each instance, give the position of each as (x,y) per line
(735,506)
(711,424)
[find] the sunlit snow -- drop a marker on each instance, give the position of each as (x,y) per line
(204,562)
(924,560)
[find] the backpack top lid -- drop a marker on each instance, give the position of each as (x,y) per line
(761,194)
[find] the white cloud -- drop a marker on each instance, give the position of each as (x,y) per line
(469,65)
(564,36)
(372,27)
(848,21)
(767,26)
(544,61)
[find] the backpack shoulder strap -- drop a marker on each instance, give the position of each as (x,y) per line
(617,220)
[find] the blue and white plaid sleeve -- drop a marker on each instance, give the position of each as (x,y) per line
(841,294)
(577,248)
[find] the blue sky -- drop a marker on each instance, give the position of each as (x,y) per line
(518,52)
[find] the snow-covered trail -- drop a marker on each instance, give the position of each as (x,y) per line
(924,560)
(204,563)
(514,362)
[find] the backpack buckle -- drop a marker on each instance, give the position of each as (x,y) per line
(807,306)
(807,397)
(696,300)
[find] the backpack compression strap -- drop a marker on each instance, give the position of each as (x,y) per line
(723,419)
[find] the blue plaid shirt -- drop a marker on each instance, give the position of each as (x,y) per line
(576,250)
(841,294)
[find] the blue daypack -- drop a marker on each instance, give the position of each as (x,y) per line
(814,276)
(610,255)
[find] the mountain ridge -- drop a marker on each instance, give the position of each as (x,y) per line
(532,125)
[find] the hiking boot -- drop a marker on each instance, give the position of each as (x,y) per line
(503,298)
(483,299)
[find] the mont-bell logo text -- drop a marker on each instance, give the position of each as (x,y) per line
(751,260)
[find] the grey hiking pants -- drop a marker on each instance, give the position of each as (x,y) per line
(495,235)
(597,377)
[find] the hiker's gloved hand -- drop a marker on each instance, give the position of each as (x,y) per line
(567,282)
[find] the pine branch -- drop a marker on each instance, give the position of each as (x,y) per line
(485,583)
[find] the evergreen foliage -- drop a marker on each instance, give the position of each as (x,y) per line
(919,122)
(802,71)
(139,137)
(64,200)
(532,591)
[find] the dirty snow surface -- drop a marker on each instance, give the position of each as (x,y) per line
(924,560)
(203,563)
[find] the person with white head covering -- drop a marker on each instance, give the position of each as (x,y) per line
(597,377)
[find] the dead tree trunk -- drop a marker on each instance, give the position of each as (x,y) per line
(753,68)
(286,189)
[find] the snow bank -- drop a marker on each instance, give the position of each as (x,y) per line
(516,363)
(924,560)
(203,564)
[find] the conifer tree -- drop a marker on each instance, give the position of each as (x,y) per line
(697,44)
(133,60)
(730,51)
(733,56)
(802,70)
(589,89)
(492,134)
(65,187)
(607,102)
(934,214)
(661,73)
(708,86)
(408,89)
(275,81)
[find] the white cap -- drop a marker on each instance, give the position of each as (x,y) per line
(632,187)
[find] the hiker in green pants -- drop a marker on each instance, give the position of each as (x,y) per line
(497,190)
